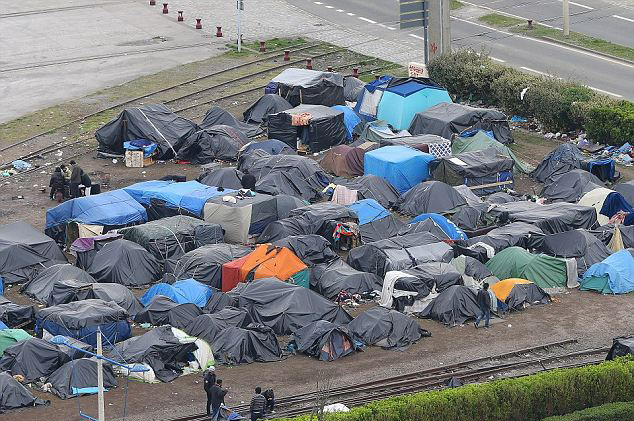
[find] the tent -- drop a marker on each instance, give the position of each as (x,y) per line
(518,234)
(15,315)
(208,326)
(216,116)
(266,105)
(449,229)
(437,276)
(380,131)
(397,100)
(24,250)
(480,140)
(186,291)
(343,161)
(551,218)
(430,197)
(438,146)
(85,248)
(127,263)
(266,261)
(486,169)
(301,86)
(311,249)
(226,177)
(621,346)
(40,287)
(350,119)
(352,87)
(253,343)
(607,203)
(614,275)
(219,142)
(386,328)
(8,337)
(67,291)
(448,119)
(325,128)
(205,263)
(568,157)
(14,395)
(570,186)
(375,222)
(285,307)
(626,189)
(154,122)
(403,167)
(81,319)
(373,187)
(323,340)
(453,306)
(474,272)
(270,146)
(426,225)
(544,271)
(518,293)
(33,358)
(329,279)
(79,377)
(161,310)
(579,244)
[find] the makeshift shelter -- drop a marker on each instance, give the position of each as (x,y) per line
(225,177)
(266,261)
(254,343)
(270,146)
(351,120)
(127,263)
(453,306)
(81,320)
(218,142)
(311,249)
(79,377)
(448,228)
(205,263)
(323,340)
(379,131)
(397,100)
(426,225)
(9,337)
(185,291)
(614,275)
(484,171)
(64,292)
(154,122)
(241,216)
(518,234)
(568,157)
(24,251)
(518,293)
(343,161)
(208,326)
(551,218)
(266,105)
(325,127)
(545,271)
(329,279)
(474,272)
(375,222)
(33,358)
(352,87)
(86,248)
(430,197)
(301,86)
(428,143)
(579,244)
(403,167)
(386,328)
(15,315)
(40,287)
(608,203)
(14,395)
(161,310)
(621,346)
(447,119)
(219,301)
(216,116)
(626,189)
(285,307)
(480,140)
(570,186)
(373,187)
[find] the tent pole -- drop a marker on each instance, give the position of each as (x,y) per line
(101,407)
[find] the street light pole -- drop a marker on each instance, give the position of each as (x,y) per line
(566,13)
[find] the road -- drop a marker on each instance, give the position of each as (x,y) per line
(379,18)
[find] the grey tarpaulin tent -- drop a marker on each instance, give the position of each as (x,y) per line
(154,122)
(312,249)
(580,244)
(570,186)
(374,187)
(14,315)
(560,160)
(67,291)
(518,234)
(79,377)
(386,328)
(501,197)
(161,310)
(352,88)
(526,294)
(324,340)
(426,225)
(218,142)
(208,326)
(285,307)
(127,263)
(453,306)
(205,263)
(86,248)
(227,178)
(33,358)
(552,218)
(329,279)
(254,343)
(436,275)
(41,286)
(14,395)
(621,346)
(217,116)
(301,86)
(447,119)
(626,189)
(430,197)
(267,104)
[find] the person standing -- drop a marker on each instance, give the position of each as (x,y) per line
(209,380)
(484,302)
(217,399)
(75,179)
(258,405)
(57,185)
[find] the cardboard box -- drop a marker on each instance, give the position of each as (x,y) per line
(135,159)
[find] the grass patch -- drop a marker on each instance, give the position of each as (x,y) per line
(249,48)
(455,5)
(495,19)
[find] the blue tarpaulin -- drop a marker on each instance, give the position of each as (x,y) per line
(615,202)
(619,269)
(350,119)
(403,167)
(3,326)
(446,225)
(181,292)
(369,210)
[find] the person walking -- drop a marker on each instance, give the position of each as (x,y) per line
(75,179)
(217,399)
(484,302)
(258,405)
(209,380)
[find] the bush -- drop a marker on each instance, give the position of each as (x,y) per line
(618,411)
(508,88)
(613,124)
(550,102)
(527,398)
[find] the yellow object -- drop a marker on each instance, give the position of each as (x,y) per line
(503,288)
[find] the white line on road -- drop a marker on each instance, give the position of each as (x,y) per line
(606,92)
(497,59)
(317,2)
(367,20)
(623,18)
(535,71)
(581,5)
(329,7)
(350,14)
(386,27)
(417,36)
(340,10)
(490,28)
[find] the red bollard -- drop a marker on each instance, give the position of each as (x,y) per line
(165,9)
(198,24)
(152,2)
(330,69)
(355,72)
(263,46)
(218,31)
(287,56)
(309,63)
(180,16)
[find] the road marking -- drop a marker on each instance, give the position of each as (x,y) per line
(340,10)
(497,59)
(350,14)
(317,2)
(581,5)
(386,27)
(606,92)
(417,36)
(490,28)
(367,20)
(329,7)
(535,71)
(506,14)
(623,18)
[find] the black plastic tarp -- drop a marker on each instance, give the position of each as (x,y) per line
(436,275)
(626,189)
(430,197)
(560,160)
(154,122)
(518,234)
(329,279)
(501,197)
(204,264)
(33,358)
(80,314)
(380,229)
(227,178)
(218,142)
(285,307)
(218,301)
(386,328)
(267,104)
(621,346)
(551,218)
(161,311)
(312,249)
(79,374)
(570,186)
(217,116)
(301,86)
(374,187)
(255,343)
(85,253)
(14,395)
(40,287)
(447,119)
(526,294)
(579,244)
(208,326)
(67,291)
(453,306)
(127,263)
(15,315)
(426,225)
(352,88)
(324,340)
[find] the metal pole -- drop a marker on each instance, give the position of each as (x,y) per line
(426,33)
(566,13)
(239,29)
(101,406)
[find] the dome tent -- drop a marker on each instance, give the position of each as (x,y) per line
(517,293)
(324,340)
(79,377)
(453,306)
(64,292)
(329,279)
(386,328)
(40,287)
(14,395)
(161,311)
(267,104)
(205,263)
(430,197)
(33,358)
(253,343)
(614,275)
(185,291)
(208,326)
(127,263)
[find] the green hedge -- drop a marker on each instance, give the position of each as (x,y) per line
(558,104)
(527,398)
(618,411)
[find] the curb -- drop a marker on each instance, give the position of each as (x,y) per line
(589,50)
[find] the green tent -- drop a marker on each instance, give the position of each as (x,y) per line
(9,337)
(596,283)
(516,262)
(480,141)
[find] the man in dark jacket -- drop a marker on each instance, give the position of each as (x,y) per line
(258,405)
(484,302)
(217,399)
(209,380)
(75,179)
(57,184)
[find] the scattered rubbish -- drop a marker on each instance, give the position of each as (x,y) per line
(114,160)
(518,119)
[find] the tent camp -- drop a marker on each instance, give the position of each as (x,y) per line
(216,116)
(373,187)
(219,142)
(447,119)
(323,340)
(570,186)
(301,86)
(266,105)
(208,326)
(69,290)
(79,377)
(551,218)
(579,244)
(568,157)
(154,122)
(430,197)
(312,249)
(614,275)
(161,310)
(225,177)
(386,328)
(127,263)
(253,343)
(453,306)
(185,291)
(205,263)
(375,222)
(40,287)
(448,228)
(14,395)
(518,234)
(85,248)
(24,251)
(15,315)
(397,100)
(33,358)
(343,161)
(403,167)
(608,203)
(480,140)
(329,279)
(518,293)
(285,307)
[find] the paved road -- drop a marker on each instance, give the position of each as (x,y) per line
(379,18)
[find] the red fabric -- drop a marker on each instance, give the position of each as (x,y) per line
(231,273)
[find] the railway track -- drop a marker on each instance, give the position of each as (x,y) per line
(513,364)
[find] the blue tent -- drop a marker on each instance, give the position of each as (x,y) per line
(113,208)
(190,195)
(615,202)
(369,210)
(614,275)
(350,119)
(3,326)
(444,224)
(403,167)
(181,292)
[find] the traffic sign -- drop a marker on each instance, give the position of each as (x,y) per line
(412,13)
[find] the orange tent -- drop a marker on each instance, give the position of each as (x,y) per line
(503,288)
